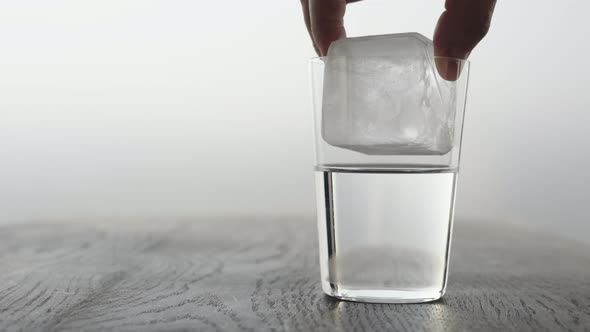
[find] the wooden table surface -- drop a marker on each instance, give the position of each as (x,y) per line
(262,274)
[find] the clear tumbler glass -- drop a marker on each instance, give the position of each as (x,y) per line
(385,211)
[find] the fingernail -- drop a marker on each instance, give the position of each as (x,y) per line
(448,68)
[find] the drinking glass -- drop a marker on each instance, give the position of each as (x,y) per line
(384,215)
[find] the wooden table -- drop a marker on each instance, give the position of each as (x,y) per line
(261,274)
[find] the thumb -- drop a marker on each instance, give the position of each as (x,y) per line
(460,28)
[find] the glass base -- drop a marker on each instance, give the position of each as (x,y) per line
(381,295)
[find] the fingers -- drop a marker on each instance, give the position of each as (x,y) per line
(324,20)
(460,28)
(306,18)
(327,22)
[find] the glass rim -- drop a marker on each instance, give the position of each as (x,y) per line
(322,58)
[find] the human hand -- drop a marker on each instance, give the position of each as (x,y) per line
(460,27)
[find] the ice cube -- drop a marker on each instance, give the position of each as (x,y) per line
(382,95)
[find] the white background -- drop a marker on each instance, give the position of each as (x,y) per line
(159,108)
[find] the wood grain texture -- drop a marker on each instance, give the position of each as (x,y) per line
(263,275)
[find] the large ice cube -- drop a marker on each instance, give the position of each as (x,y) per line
(382,95)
